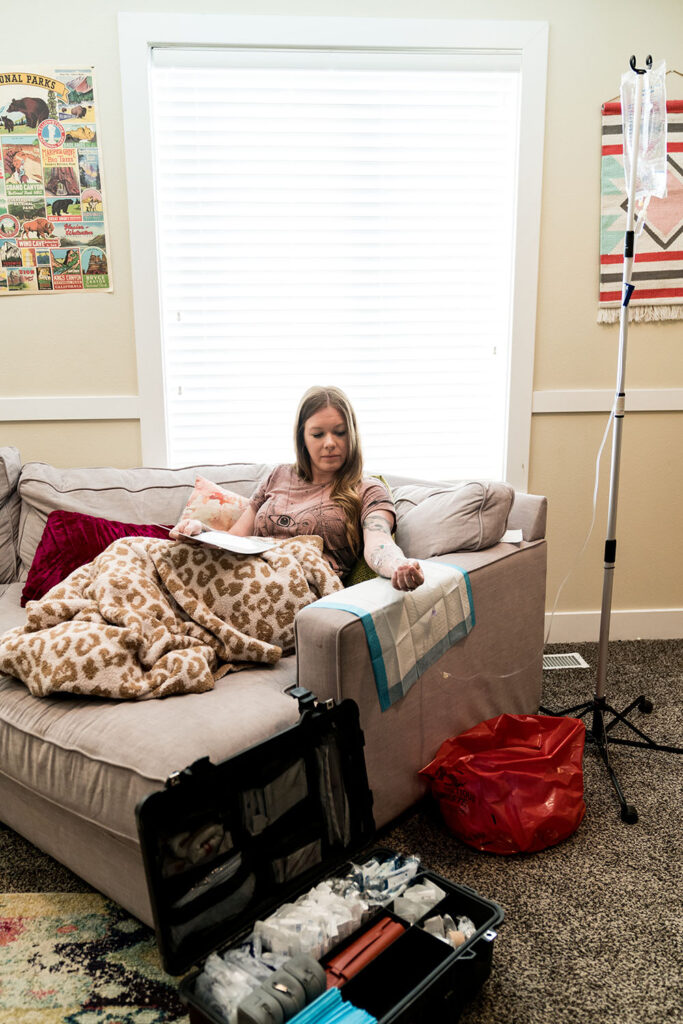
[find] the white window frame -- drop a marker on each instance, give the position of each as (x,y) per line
(527,40)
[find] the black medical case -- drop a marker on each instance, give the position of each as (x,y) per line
(226,844)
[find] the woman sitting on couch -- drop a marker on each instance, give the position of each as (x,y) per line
(325,494)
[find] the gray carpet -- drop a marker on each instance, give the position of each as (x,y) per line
(592,929)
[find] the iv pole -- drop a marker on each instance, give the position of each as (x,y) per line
(599,732)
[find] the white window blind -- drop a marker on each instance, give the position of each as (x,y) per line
(336,218)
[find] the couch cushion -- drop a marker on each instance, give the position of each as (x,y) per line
(459,517)
(99,758)
(11,612)
(529,514)
(10,468)
(139,495)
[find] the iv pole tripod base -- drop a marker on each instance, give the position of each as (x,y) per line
(642,704)
(598,733)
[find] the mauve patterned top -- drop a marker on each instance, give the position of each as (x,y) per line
(287,506)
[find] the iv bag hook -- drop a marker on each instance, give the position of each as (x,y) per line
(641,71)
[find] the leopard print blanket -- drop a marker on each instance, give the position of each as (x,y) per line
(152,618)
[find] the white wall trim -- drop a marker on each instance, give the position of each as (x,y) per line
(601,400)
(527,252)
(626,624)
(129,407)
(138,33)
(69,407)
(135,41)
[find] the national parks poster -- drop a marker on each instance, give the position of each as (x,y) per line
(53,234)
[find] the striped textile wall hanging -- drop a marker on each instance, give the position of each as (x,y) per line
(658,266)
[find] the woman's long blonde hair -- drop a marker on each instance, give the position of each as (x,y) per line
(346,486)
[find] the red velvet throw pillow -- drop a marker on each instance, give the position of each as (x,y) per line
(71,539)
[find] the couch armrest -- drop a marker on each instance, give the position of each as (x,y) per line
(496,668)
(529,513)
(319,638)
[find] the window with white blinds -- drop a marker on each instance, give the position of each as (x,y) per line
(330,217)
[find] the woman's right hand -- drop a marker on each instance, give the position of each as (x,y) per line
(186,528)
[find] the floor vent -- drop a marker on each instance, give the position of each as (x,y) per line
(573,660)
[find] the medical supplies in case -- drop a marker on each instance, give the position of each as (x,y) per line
(262,879)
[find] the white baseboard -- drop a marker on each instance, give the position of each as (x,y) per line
(629,624)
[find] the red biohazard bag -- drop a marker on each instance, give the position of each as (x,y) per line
(512,784)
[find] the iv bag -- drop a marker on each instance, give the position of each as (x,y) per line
(651,155)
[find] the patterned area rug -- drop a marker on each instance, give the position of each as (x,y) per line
(77,958)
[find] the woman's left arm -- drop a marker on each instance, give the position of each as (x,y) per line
(385,557)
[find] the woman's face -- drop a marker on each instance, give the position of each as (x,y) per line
(327,442)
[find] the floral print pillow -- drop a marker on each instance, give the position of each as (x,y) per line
(213,505)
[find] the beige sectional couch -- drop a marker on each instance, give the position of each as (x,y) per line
(72,769)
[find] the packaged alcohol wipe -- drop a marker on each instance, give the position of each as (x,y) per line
(418,900)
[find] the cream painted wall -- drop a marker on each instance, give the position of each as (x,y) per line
(78,345)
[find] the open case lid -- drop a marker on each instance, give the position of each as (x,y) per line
(225,845)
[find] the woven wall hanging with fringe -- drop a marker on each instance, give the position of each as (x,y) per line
(658,266)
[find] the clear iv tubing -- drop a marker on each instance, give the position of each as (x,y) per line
(532,661)
(610,420)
